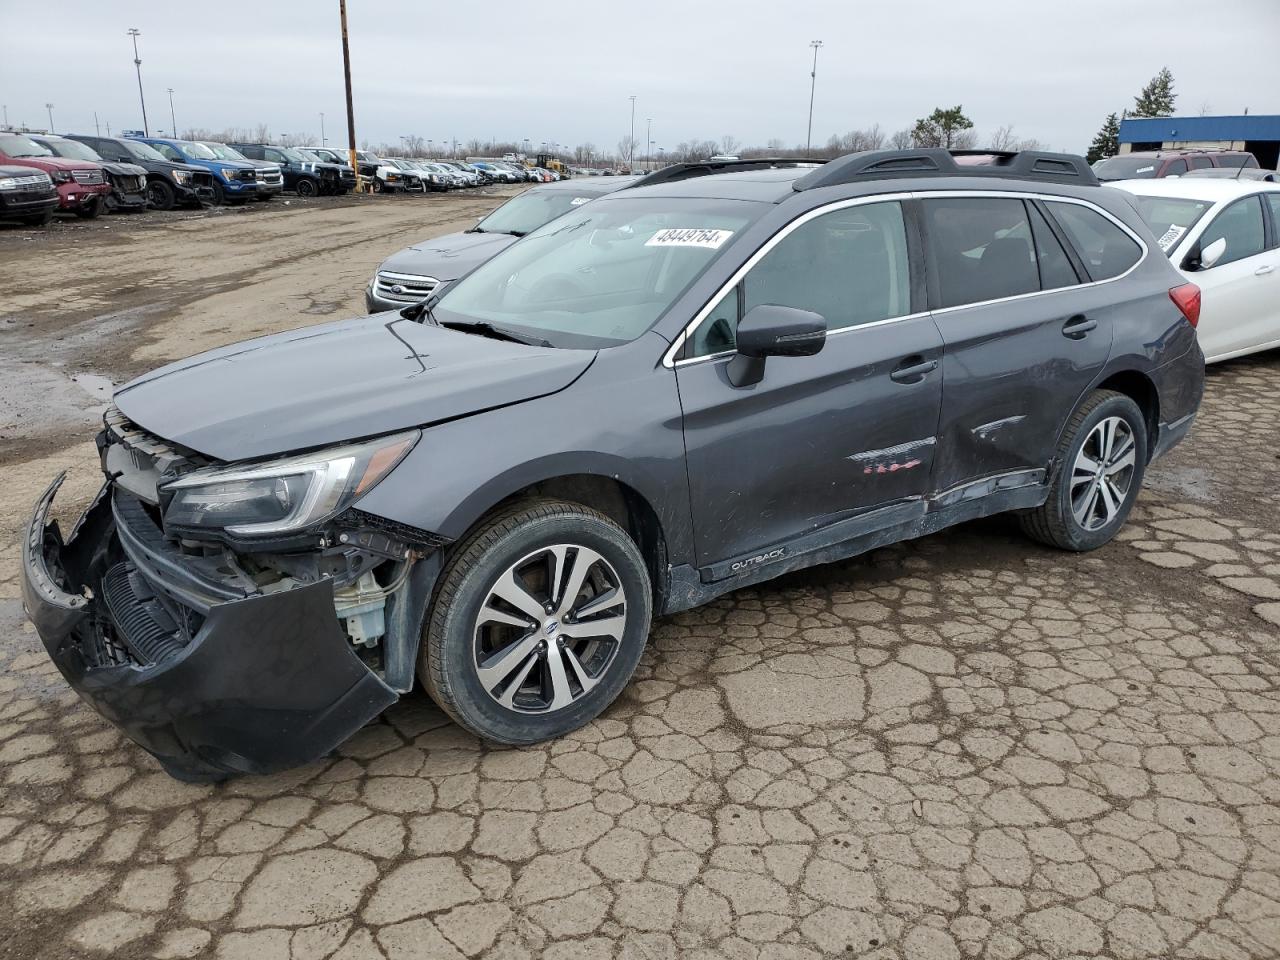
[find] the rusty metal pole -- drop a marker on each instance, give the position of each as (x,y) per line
(351,113)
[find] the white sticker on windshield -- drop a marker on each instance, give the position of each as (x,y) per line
(689,237)
(1171,236)
(1144,170)
(579,201)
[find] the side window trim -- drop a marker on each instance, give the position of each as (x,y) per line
(1270,223)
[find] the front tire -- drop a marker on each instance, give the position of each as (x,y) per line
(306,187)
(219,194)
(1101,460)
(160,195)
(540,619)
(90,210)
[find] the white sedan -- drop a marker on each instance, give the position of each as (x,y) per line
(1224,236)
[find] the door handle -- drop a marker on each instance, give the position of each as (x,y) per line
(913,370)
(1263,271)
(1078,327)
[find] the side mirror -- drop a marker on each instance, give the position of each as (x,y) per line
(1213,253)
(773,331)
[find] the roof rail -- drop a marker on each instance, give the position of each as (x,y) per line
(936,162)
(703,168)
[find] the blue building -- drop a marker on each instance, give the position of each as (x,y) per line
(1260,135)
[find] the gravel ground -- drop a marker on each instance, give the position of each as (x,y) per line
(964,746)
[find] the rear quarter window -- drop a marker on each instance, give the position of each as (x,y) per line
(1106,249)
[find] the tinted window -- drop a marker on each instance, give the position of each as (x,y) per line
(1126,168)
(1241,226)
(1055,267)
(850,266)
(981,248)
(1176,168)
(1199,163)
(1236,160)
(1107,251)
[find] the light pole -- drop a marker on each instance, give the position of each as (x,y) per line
(173,124)
(137,64)
(631,141)
(322,140)
(813,83)
(648,142)
(49,107)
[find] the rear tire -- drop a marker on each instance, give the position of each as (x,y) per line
(551,661)
(1099,466)
(160,195)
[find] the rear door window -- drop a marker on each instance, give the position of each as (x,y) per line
(1200,163)
(981,248)
(1240,225)
(1056,270)
(1176,168)
(1106,249)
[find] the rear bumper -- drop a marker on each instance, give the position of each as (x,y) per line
(1180,387)
(253,684)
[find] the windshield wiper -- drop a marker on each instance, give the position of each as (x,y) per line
(486,329)
(516,233)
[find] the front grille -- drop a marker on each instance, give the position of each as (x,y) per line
(404,287)
(26,183)
(271,176)
(87,177)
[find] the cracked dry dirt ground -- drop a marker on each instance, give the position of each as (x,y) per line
(965,746)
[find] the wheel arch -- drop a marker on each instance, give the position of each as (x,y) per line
(610,491)
(1139,388)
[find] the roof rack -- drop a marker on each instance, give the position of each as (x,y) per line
(936,162)
(703,168)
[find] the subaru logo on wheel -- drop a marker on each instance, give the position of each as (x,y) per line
(551,627)
(398,288)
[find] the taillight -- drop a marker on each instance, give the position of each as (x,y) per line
(1187,299)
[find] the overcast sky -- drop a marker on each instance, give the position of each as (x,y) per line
(563,71)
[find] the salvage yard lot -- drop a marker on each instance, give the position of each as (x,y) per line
(967,745)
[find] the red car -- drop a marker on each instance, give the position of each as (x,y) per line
(82,185)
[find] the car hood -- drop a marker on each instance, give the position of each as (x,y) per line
(336,382)
(123,169)
(55,163)
(448,257)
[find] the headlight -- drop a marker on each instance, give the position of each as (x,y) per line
(282,496)
(60,176)
(182,176)
(8,183)
(232,175)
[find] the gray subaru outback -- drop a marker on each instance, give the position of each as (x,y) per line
(738,370)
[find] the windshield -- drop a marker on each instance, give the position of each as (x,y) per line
(223,152)
(72,149)
(527,212)
(1171,217)
(15,145)
(600,276)
(1126,168)
(143,151)
(308,155)
(197,150)
(290,154)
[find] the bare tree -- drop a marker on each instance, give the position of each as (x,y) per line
(627,150)
(730,145)
(1005,140)
(901,140)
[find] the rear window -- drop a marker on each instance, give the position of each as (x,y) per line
(1126,168)
(1170,217)
(1107,250)
(1236,160)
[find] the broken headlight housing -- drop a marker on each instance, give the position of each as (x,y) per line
(281,496)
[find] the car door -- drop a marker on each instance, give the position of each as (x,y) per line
(1239,292)
(1025,331)
(826,447)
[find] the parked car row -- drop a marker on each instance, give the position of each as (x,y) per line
(90,174)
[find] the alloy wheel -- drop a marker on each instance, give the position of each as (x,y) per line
(549,629)
(1103,473)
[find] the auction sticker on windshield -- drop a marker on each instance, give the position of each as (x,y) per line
(689,237)
(579,201)
(1171,236)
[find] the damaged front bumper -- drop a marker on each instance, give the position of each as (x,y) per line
(210,677)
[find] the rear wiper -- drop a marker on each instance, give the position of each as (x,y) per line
(486,329)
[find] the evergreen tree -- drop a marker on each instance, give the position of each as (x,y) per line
(942,128)
(1107,142)
(1157,97)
